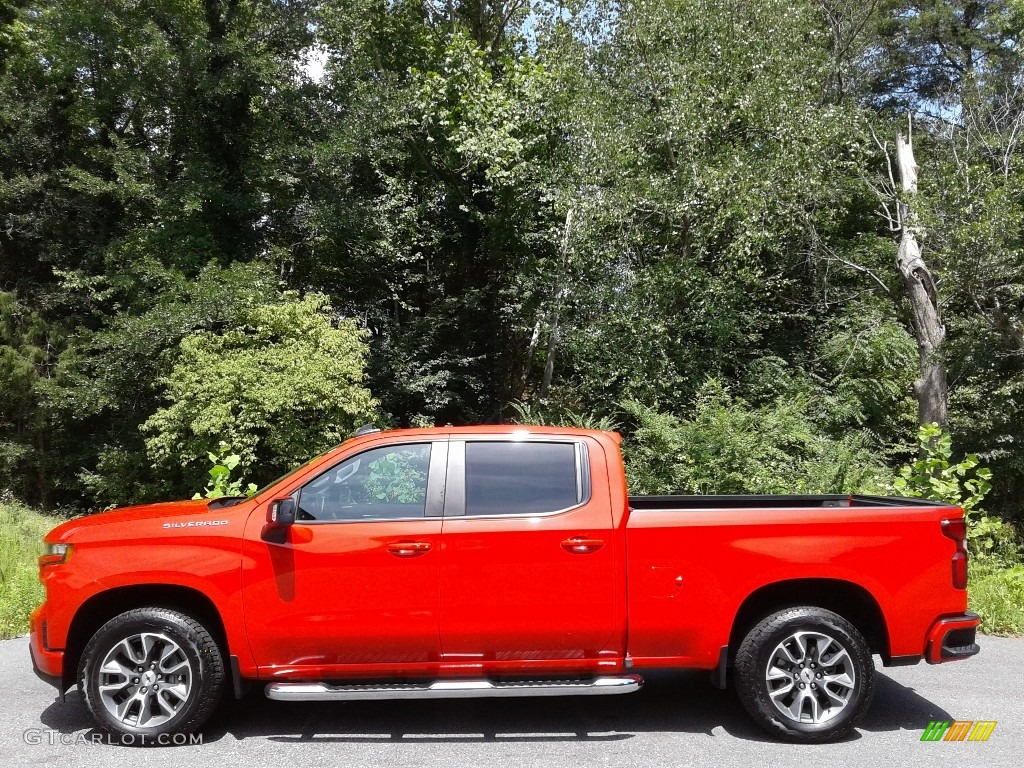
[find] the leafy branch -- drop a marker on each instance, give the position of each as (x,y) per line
(221,482)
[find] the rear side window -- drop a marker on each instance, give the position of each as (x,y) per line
(522,478)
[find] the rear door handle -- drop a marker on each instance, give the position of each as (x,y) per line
(408,548)
(580,545)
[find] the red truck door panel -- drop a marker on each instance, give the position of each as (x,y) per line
(529,561)
(353,585)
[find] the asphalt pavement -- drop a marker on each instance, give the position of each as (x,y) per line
(677,719)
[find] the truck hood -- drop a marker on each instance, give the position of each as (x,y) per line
(170,509)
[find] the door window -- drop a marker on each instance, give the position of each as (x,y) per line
(383,483)
(522,478)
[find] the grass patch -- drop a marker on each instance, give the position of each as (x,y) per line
(997,595)
(21,542)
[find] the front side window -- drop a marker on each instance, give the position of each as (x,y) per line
(521,478)
(382,483)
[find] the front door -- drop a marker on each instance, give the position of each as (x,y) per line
(352,588)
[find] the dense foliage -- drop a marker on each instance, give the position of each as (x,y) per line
(264,221)
(281,386)
(730,447)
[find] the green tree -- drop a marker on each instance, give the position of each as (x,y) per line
(711,166)
(107,382)
(430,199)
(926,50)
(283,385)
(561,205)
(27,345)
(958,67)
(138,141)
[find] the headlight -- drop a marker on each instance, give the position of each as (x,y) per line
(55,554)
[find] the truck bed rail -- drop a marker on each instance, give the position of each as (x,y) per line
(751,501)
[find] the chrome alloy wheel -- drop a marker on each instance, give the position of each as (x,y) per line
(145,680)
(810,677)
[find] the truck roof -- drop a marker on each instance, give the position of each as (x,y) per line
(498,429)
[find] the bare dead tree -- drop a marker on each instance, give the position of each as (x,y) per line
(929,331)
(919,287)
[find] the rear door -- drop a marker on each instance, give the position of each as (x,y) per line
(529,557)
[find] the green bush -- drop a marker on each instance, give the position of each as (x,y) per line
(996,581)
(729,446)
(283,385)
(552,414)
(21,542)
(996,593)
(965,483)
(934,476)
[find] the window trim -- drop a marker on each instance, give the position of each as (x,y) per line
(455,496)
(433,503)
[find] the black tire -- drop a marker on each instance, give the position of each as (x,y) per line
(841,692)
(177,644)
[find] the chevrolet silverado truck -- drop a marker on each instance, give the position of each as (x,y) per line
(495,561)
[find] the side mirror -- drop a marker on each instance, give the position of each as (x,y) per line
(281,513)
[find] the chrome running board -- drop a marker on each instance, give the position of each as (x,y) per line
(453,689)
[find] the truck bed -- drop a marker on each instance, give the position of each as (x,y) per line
(696,562)
(685,503)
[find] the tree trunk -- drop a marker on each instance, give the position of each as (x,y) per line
(925,320)
(524,376)
(549,363)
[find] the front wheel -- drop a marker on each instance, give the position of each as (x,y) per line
(151,672)
(805,675)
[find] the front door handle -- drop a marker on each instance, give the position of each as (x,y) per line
(580,545)
(408,548)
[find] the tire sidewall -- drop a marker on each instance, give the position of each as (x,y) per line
(126,625)
(825,622)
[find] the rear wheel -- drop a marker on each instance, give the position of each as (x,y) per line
(150,672)
(805,674)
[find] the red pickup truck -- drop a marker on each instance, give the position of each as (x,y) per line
(495,561)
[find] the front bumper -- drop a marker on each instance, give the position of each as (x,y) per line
(48,665)
(952,638)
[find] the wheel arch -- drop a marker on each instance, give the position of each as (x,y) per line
(851,601)
(103,606)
